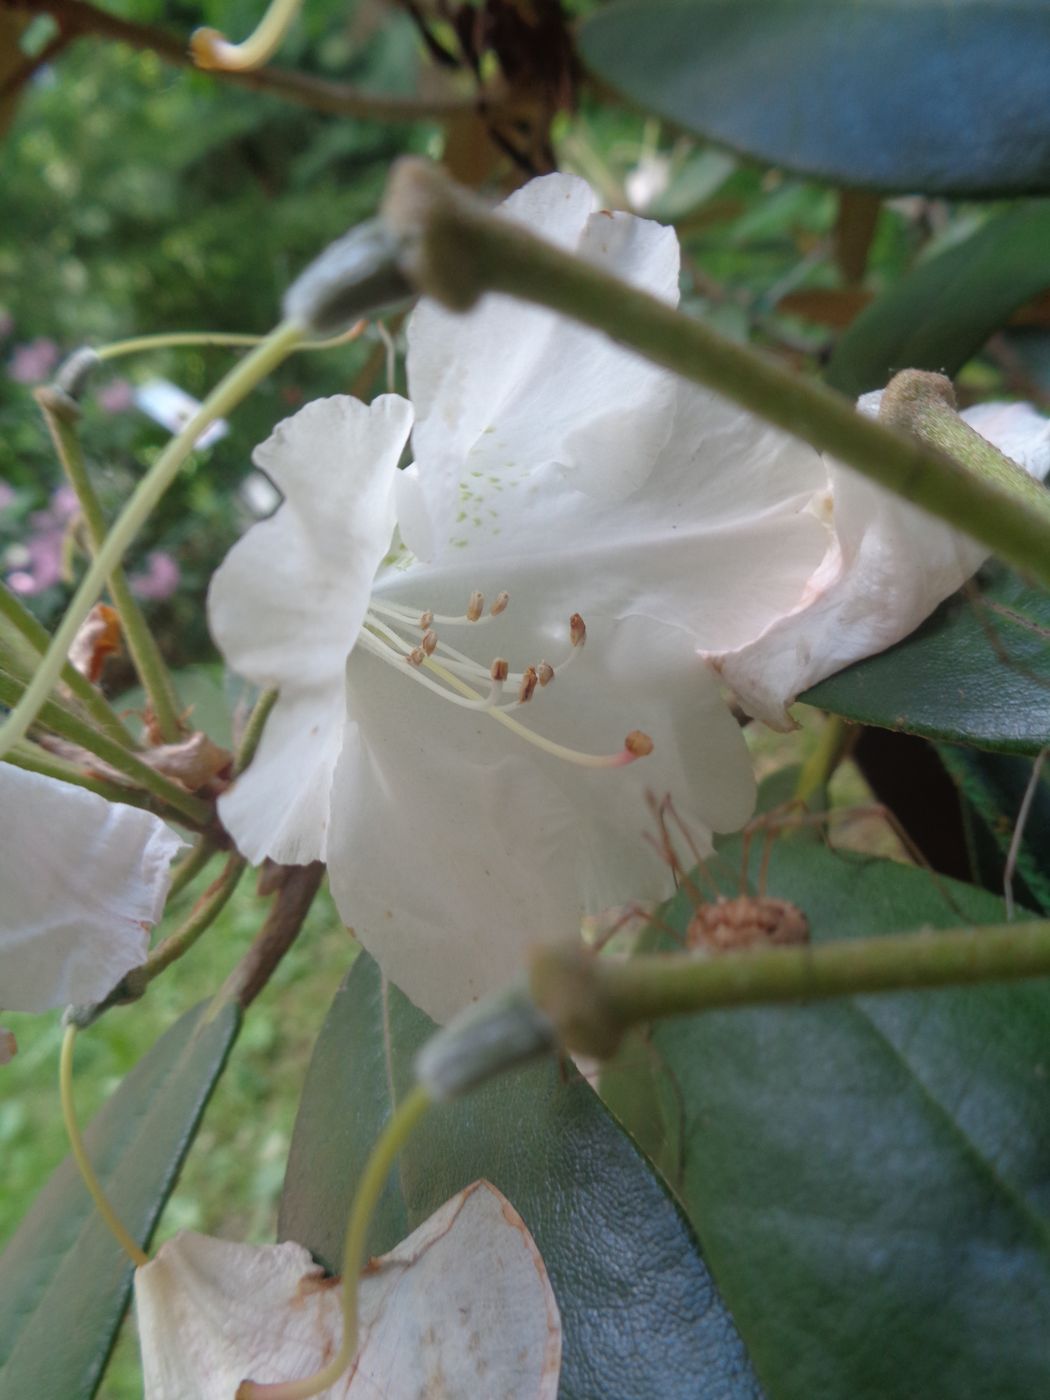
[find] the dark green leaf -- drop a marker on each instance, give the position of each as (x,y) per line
(640,1316)
(992,788)
(941,314)
(907,95)
(976,672)
(870,1179)
(64,1281)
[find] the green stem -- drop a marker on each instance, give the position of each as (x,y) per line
(454,249)
(78,731)
(36,760)
(593,1001)
(92,699)
(816,771)
(79,1152)
(222,400)
(384,1154)
(143,343)
(60,414)
(202,916)
(253,731)
(190,866)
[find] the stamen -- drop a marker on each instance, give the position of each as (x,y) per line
(429,642)
(476,606)
(408,617)
(500,605)
(584,760)
(385,643)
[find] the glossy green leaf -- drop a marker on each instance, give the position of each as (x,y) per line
(976,672)
(939,315)
(905,95)
(640,1316)
(992,789)
(870,1178)
(64,1282)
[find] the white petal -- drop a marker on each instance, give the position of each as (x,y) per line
(719,540)
(509,388)
(279,807)
(456,846)
(463,1307)
(886,569)
(287,603)
(81,882)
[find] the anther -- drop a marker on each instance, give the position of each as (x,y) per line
(545,671)
(528,685)
(476,606)
(416,656)
(425,619)
(577,630)
(429,642)
(500,605)
(499,670)
(638,744)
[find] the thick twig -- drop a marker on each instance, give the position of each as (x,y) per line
(78,19)
(295,894)
(23,74)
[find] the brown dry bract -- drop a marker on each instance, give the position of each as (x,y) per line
(98,637)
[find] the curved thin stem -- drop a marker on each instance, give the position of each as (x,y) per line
(141,344)
(190,866)
(203,915)
(391,1141)
(225,397)
(60,416)
(211,50)
(78,17)
(253,731)
(76,1145)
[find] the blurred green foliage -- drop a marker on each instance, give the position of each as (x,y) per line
(139,199)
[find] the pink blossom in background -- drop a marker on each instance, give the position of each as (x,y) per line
(33,361)
(7,494)
(116,397)
(160,578)
(7,323)
(40,557)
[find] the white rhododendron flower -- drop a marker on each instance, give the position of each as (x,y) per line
(556,468)
(401,614)
(461,1307)
(886,567)
(84,880)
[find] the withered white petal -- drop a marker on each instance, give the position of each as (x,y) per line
(462,1307)
(82,880)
